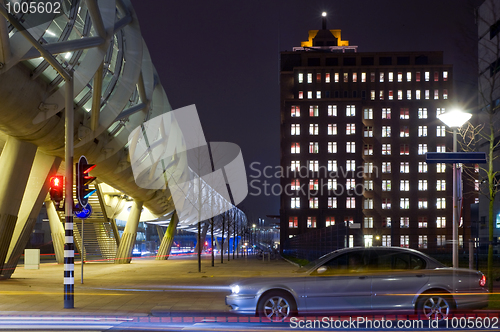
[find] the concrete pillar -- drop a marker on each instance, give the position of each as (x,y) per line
(44,167)
(15,162)
(56,231)
(168,238)
(127,241)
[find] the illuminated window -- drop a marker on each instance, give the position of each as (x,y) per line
(309,94)
(381,95)
(422,167)
(301,94)
(417,94)
(422,222)
(386,113)
(440,131)
(295,148)
(350,129)
(422,242)
(445,93)
(422,185)
(313,203)
(404,185)
(293,222)
(404,113)
(350,165)
(332,202)
(350,147)
(391,95)
(309,77)
(368,185)
(330,221)
(427,95)
(386,203)
(295,165)
(327,78)
(404,149)
(440,148)
(295,202)
(368,113)
(295,111)
(440,167)
(400,94)
(332,129)
(368,150)
(332,110)
(313,110)
(391,76)
(404,167)
(382,77)
(295,184)
(363,77)
(336,75)
(422,113)
(372,94)
(368,220)
(427,76)
(445,76)
(318,77)
(417,76)
(441,222)
(404,222)
(441,185)
(405,241)
(400,77)
(313,147)
(368,167)
(436,76)
(404,131)
(350,203)
(422,131)
(386,185)
(440,111)
(313,129)
(441,203)
(346,77)
(436,94)
(301,77)
(350,110)
(476,185)
(311,222)
(386,149)
(386,240)
(332,147)
(386,167)
(422,149)
(368,132)
(318,94)
(332,165)
(441,240)
(386,222)
(408,94)
(350,184)
(422,203)
(313,165)
(295,129)
(408,76)
(386,131)
(354,77)
(332,184)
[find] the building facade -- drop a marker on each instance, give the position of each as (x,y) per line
(355,128)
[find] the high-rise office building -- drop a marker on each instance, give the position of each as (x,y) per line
(355,129)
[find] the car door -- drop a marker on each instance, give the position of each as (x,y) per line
(341,284)
(398,278)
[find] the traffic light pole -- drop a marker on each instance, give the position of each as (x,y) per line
(69,248)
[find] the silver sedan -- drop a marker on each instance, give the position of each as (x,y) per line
(363,279)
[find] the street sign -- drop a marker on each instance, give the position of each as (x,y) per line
(83,213)
(456,157)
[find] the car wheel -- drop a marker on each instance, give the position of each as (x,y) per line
(276,306)
(435,306)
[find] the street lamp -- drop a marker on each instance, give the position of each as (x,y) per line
(455,119)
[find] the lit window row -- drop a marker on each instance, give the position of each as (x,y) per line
(404,204)
(293,222)
(382,77)
(332,166)
(368,113)
(382,94)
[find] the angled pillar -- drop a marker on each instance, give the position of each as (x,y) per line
(15,162)
(127,241)
(37,188)
(56,231)
(168,238)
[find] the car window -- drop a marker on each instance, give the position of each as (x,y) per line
(386,260)
(346,263)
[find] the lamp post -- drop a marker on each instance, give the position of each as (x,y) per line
(455,119)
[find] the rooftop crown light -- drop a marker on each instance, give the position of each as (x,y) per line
(323,14)
(454,118)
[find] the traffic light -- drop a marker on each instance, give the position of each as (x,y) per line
(83,179)
(57,188)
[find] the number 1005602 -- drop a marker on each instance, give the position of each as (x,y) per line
(33,7)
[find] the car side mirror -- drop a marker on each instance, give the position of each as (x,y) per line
(321,269)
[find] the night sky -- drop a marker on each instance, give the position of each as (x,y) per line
(223,56)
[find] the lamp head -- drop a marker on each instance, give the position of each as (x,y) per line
(454,118)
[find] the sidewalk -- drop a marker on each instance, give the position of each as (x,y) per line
(144,287)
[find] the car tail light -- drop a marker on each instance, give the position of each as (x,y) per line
(482,281)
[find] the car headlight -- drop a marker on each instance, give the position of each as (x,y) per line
(235,289)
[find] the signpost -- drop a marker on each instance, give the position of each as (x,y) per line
(82,213)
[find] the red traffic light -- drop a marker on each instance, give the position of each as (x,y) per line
(56,188)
